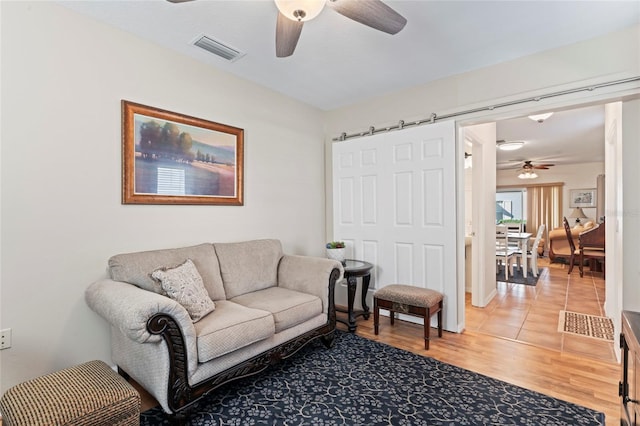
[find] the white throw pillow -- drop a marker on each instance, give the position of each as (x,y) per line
(184,285)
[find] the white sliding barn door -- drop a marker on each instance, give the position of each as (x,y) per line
(395,206)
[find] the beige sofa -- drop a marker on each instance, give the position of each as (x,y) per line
(266,306)
(559,245)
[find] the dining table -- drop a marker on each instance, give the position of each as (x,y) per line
(522,239)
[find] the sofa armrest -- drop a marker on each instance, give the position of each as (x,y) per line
(312,275)
(106,298)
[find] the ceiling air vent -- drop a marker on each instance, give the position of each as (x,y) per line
(218,48)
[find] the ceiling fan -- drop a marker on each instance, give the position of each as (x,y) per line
(528,166)
(528,170)
(523,165)
(292,15)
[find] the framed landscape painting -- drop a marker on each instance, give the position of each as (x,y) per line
(171,158)
(582,198)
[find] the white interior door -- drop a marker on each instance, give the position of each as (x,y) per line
(395,206)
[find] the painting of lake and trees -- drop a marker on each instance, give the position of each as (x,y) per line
(178,159)
(171,158)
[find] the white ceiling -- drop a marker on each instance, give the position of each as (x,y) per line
(338,61)
(567,137)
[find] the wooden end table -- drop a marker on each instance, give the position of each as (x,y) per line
(352,270)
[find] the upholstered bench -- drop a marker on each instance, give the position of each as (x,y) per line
(410,300)
(90,394)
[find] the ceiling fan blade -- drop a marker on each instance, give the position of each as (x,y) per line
(372,13)
(287,35)
(543,166)
(178,1)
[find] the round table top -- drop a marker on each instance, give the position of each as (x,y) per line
(353,266)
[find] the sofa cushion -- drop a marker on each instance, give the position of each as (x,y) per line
(136,268)
(289,307)
(184,285)
(231,326)
(248,266)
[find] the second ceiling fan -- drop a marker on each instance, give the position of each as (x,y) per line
(527,165)
(528,170)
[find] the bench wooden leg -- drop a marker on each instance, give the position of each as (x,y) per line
(376,316)
(428,313)
(440,319)
(427,327)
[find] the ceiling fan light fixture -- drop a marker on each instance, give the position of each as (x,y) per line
(527,174)
(540,117)
(300,10)
(510,146)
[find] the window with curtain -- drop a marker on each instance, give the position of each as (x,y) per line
(544,206)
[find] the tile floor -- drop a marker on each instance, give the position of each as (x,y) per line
(529,314)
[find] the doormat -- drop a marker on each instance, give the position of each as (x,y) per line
(586,325)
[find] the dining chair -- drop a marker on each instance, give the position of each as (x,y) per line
(591,246)
(531,256)
(504,253)
(514,227)
(581,254)
(572,246)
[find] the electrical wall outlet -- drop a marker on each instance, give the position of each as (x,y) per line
(5,338)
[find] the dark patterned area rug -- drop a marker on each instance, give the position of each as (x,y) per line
(517,277)
(361,382)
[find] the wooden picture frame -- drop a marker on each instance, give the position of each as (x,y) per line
(582,197)
(172,158)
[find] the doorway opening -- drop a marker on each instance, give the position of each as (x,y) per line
(513,306)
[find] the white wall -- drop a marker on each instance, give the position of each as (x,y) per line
(618,56)
(574,176)
(63,76)
(468,197)
(483,215)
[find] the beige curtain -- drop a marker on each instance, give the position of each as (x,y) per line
(544,206)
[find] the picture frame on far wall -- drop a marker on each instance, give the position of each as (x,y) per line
(582,197)
(172,158)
